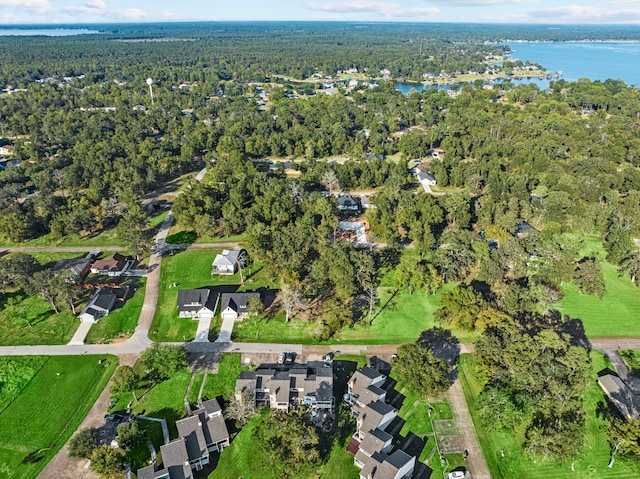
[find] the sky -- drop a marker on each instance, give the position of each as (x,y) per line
(493,11)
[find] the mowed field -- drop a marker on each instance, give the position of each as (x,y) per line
(591,464)
(38,420)
(616,314)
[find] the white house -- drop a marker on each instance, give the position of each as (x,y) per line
(228,261)
(426,179)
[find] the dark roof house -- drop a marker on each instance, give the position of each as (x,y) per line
(348,203)
(308,384)
(76,267)
(195,303)
(235,305)
(101,304)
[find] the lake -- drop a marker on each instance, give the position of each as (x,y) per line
(47,32)
(593,60)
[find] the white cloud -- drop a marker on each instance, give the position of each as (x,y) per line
(476,3)
(99,8)
(387,9)
(584,14)
(36,6)
(96,4)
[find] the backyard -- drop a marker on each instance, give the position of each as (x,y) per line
(192,269)
(120,323)
(591,463)
(45,406)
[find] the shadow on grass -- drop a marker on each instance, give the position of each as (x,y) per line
(183,237)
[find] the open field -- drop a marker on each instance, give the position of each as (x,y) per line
(48,410)
(192,269)
(180,235)
(121,322)
(106,238)
(616,314)
(401,321)
(592,463)
(29,320)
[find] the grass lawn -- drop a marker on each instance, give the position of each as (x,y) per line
(48,410)
(224,382)
(163,400)
(191,269)
(29,320)
(401,321)
(121,322)
(632,359)
(591,464)
(180,235)
(105,238)
(616,314)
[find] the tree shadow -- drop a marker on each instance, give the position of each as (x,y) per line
(572,327)
(443,344)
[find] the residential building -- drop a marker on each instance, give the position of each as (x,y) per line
(195,303)
(175,463)
(235,305)
(200,434)
(426,178)
(398,465)
(309,385)
(115,265)
(75,268)
(101,304)
(6,150)
(372,445)
(348,203)
(364,387)
(228,262)
(622,397)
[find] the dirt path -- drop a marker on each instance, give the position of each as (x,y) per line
(478,468)
(64,467)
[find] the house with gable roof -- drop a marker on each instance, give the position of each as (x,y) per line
(195,303)
(228,262)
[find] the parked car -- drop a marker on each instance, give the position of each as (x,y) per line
(281,358)
(328,357)
(289,358)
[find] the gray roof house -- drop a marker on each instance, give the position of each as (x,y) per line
(228,261)
(373,447)
(426,178)
(76,267)
(100,305)
(620,395)
(175,463)
(235,305)
(195,303)
(348,203)
(309,384)
(200,434)
(397,465)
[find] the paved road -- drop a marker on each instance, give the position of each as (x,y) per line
(57,249)
(476,463)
